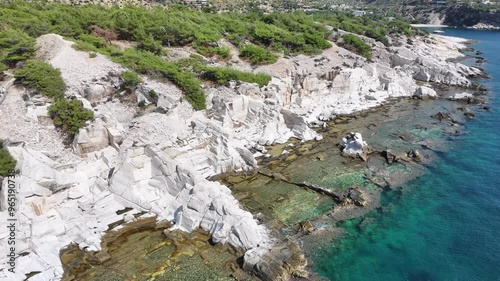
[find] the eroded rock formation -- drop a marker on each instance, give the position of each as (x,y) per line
(158,162)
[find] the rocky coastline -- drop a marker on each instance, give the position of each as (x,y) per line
(156,163)
(485,26)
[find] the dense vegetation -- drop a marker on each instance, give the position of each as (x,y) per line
(257,55)
(6,161)
(93,27)
(258,36)
(355,44)
(42,77)
(15,46)
(373,26)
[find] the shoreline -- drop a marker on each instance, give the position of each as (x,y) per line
(429,25)
(310,228)
(303,233)
(296,127)
(401,218)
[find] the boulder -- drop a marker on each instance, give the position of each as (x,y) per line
(92,138)
(115,137)
(95,93)
(353,195)
(423,92)
(466,97)
(165,103)
(298,125)
(354,146)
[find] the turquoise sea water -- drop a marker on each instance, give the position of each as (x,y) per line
(446,225)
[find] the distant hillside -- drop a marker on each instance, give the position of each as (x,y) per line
(454,13)
(463,13)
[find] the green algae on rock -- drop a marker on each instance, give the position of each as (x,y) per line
(142,250)
(404,136)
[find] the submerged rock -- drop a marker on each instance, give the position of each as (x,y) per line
(441,116)
(389,156)
(279,264)
(353,195)
(467,97)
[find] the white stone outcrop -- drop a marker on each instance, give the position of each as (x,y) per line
(423,92)
(461,96)
(75,203)
(92,138)
(91,78)
(159,162)
(354,146)
(56,205)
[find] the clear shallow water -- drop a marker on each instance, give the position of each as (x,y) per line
(446,225)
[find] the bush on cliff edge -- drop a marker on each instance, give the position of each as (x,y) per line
(6,161)
(42,77)
(355,44)
(70,115)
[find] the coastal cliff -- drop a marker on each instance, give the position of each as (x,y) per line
(158,162)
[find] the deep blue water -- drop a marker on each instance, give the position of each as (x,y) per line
(446,226)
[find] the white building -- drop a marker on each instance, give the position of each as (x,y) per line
(358,13)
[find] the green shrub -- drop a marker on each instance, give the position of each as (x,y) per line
(151,45)
(400,27)
(153,96)
(188,83)
(210,51)
(69,115)
(7,162)
(15,46)
(95,41)
(85,46)
(43,77)
(257,55)
(377,34)
(223,52)
(355,44)
(222,75)
(130,80)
